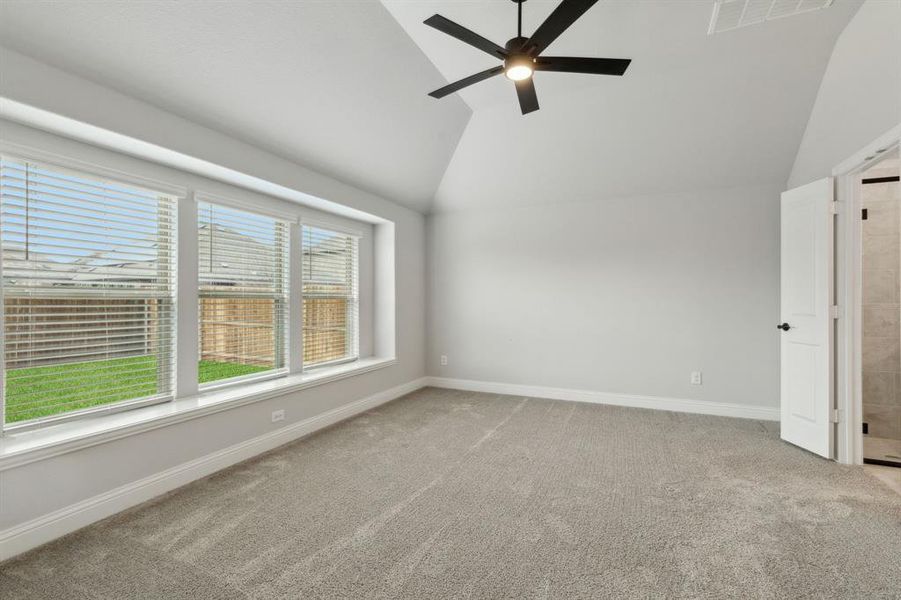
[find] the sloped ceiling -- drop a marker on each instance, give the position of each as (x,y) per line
(341,87)
(693,111)
(336,86)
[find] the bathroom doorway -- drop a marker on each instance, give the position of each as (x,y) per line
(880,201)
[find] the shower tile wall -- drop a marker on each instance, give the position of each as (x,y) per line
(882,309)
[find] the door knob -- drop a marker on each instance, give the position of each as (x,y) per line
(784,327)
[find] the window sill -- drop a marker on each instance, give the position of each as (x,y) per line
(17,449)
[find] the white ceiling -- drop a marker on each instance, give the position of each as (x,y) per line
(339,87)
(336,86)
(692,112)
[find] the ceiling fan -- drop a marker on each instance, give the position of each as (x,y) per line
(522,56)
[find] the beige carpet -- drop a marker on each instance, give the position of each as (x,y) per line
(446,494)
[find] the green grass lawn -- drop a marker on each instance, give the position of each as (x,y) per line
(44,391)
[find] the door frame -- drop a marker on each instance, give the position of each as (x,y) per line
(849,292)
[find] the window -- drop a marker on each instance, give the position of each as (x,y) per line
(243,292)
(330,296)
(87,290)
(98,291)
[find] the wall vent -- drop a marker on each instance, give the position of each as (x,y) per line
(732,14)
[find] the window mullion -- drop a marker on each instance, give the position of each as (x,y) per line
(187,300)
(295,298)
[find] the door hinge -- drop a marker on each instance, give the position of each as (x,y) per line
(834,208)
(835,416)
(835,311)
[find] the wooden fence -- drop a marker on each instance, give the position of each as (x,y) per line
(46,331)
(238,330)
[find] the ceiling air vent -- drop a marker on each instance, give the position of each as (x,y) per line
(732,14)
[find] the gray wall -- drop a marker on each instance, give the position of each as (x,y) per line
(35,489)
(860,95)
(625,295)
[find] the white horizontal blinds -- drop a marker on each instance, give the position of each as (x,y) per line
(243,292)
(88,290)
(330,296)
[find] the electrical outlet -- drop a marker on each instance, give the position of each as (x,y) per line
(444,360)
(278,415)
(695,378)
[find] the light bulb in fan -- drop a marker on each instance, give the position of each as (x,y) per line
(518,68)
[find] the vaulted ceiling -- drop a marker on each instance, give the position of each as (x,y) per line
(336,86)
(692,112)
(341,87)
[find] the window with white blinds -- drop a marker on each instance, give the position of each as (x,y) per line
(88,291)
(330,265)
(243,266)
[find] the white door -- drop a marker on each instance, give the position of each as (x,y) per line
(806,326)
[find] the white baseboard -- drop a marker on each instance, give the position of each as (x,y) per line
(41,530)
(722,409)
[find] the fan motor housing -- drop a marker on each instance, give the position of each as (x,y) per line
(514,45)
(517,56)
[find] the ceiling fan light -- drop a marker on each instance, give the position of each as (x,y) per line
(518,72)
(518,68)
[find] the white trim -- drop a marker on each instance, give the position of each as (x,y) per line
(221,384)
(41,530)
(187,312)
(110,140)
(331,226)
(869,154)
(244,205)
(722,409)
(86,413)
(384,296)
(52,159)
(849,294)
(295,299)
(311,369)
(21,449)
(848,349)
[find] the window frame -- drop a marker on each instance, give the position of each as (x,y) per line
(105,162)
(202,197)
(24,154)
(357,235)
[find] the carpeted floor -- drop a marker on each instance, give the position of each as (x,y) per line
(447,494)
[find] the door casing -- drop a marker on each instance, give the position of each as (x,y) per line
(849,293)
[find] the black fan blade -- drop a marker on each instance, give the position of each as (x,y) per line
(464,35)
(459,85)
(556,23)
(571,64)
(528,100)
